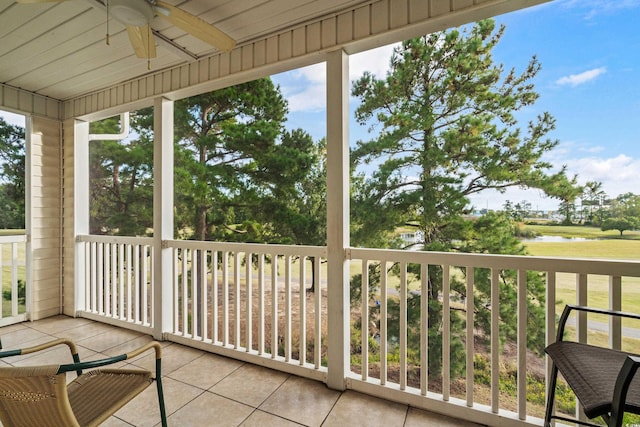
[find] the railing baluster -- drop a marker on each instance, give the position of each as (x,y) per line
(204,288)
(14,279)
(581,325)
(615,303)
(550,317)
(287,308)
(100,278)
(249,300)
(274,305)
(236,297)
(137,282)
(522,344)
(121,311)
(195,309)
(145,284)
(384,284)
(261,312)
(424,327)
(317,347)
(185,292)
(446,332)
(302,350)
(176,291)
(470,347)
(129,308)
(214,298)
(88,271)
(225,298)
(364,308)
(495,340)
(403,326)
(114,280)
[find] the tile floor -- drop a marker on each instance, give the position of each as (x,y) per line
(203,389)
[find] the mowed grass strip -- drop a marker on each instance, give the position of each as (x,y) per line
(598,288)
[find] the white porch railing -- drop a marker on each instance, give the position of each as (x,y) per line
(13,279)
(254,303)
(117,277)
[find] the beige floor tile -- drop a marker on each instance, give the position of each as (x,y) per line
(143,410)
(85,331)
(130,346)
(109,339)
(209,409)
(420,418)
(250,384)
(356,409)
(206,370)
(174,356)
(53,325)
(301,400)
(262,419)
(20,338)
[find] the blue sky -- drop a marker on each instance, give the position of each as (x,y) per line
(590,82)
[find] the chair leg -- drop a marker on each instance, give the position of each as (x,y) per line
(551,394)
(163,412)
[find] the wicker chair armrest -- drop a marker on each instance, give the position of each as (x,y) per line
(628,371)
(567,311)
(80,366)
(27,350)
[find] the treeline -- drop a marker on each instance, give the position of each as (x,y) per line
(593,207)
(12,176)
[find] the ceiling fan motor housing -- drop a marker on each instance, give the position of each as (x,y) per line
(136,13)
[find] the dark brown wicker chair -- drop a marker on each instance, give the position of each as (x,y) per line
(602,379)
(40,395)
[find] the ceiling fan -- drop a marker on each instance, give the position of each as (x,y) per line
(136,16)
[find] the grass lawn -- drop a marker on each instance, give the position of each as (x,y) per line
(581,232)
(598,292)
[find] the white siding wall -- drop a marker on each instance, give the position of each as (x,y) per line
(45,216)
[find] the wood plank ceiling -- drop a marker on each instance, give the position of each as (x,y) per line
(59,50)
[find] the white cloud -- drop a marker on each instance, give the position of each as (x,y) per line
(12,119)
(593,8)
(584,77)
(305,88)
(618,174)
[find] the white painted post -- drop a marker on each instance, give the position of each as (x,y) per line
(162,215)
(81,209)
(337,218)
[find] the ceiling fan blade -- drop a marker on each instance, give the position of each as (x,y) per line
(142,41)
(196,27)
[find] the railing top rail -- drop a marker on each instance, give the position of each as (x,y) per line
(17,238)
(606,267)
(255,248)
(115,239)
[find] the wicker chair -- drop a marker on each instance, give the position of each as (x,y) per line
(40,395)
(601,378)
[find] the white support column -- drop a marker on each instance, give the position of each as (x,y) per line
(81,206)
(162,215)
(337,217)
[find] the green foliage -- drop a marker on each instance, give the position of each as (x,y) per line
(121,181)
(447,130)
(22,294)
(621,224)
(12,176)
